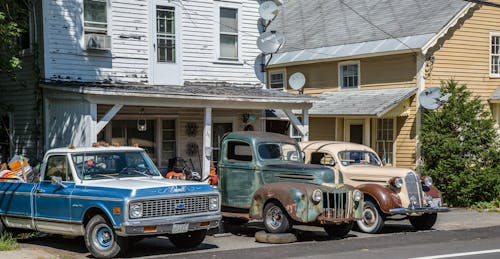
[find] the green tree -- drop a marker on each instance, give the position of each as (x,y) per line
(460,148)
(13,23)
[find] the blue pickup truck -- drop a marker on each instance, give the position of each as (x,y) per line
(111,196)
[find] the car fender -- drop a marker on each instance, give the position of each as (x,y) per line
(294,197)
(384,196)
(431,191)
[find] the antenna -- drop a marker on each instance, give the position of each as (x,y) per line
(431,98)
(268,10)
(297,81)
(270,42)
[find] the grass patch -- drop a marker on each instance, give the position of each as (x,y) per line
(8,242)
(487,206)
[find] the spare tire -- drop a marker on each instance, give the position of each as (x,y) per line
(275,238)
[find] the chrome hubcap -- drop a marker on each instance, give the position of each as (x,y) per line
(274,217)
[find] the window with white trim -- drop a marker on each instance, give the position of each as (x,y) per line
(277,80)
(385,140)
(165,34)
(95,16)
(495,55)
(349,75)
(228,33)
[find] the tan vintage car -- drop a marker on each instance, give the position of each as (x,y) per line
(388,191)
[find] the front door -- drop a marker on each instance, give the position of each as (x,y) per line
(52,201)
(165,54)
(354,131)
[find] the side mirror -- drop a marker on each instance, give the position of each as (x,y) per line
(55,180)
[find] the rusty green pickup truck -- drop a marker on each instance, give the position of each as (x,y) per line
(262,176)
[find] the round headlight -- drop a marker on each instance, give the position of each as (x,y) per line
(396,182)
(357,195)
(427,181)
(317,195)
(135,210)
(213,203)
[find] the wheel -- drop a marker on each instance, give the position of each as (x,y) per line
(372,220)
(424,222)
(2,228)
(339,230)
(189,239)
(101,240)
(276,219)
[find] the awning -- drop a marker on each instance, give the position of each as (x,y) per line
(216,96)
(368,103)
(495,97)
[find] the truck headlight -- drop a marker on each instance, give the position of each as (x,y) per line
(317,195)
(213,203)
(427,180)
(135,210)
(357,195)
(396,182)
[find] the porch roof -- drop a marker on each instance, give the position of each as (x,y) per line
(193,96)
(495,97)
(361,102)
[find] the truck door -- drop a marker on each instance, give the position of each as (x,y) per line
(15,203)
(52,200)
(238,181)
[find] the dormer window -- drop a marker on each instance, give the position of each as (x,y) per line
(349,75)
(95,16)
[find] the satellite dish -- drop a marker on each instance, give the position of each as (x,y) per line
(268,10)
(270,42)
(259,67)
(297,81)
(261,25)
(432,99)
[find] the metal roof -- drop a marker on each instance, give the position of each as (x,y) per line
(185,96)
(496,95)
(372,26)
(360,102)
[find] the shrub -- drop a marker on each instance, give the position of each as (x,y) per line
(460,148)
(8,242)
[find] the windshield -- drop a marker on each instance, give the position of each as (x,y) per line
(94,166)
(359,157)
(279,151)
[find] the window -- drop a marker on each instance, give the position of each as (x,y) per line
(277,80)
(385,140)
(349,75)
(239,151)
(168,141)
(95,16)
(57,166)
(165,34)
(320,158)
(495,55)
(218,132)
(228,33)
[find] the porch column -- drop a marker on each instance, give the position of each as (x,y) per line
(305,124)
(367,132)
(207,142)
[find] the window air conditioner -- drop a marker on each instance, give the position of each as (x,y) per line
(97,42)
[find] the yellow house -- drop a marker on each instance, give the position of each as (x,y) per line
(369,60)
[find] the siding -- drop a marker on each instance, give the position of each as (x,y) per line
(321,128)
(376,73)
(464,56)
(22,97)
(406,131)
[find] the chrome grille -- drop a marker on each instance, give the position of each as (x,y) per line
(174,206)
(414,188)
(336,205)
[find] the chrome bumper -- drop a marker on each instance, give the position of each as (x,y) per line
(418,210)
(158,226)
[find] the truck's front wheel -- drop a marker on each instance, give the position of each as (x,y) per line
(101,240)
(189,239)
(276,219)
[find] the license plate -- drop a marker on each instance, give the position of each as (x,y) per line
(436,202)
(180,228)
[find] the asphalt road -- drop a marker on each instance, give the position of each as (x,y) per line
(459,231)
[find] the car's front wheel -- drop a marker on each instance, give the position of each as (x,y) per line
(339,230)
(276,219)
(372,220)
(424,222)
(189,239)
(101,240)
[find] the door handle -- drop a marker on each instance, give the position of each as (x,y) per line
(39,191)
